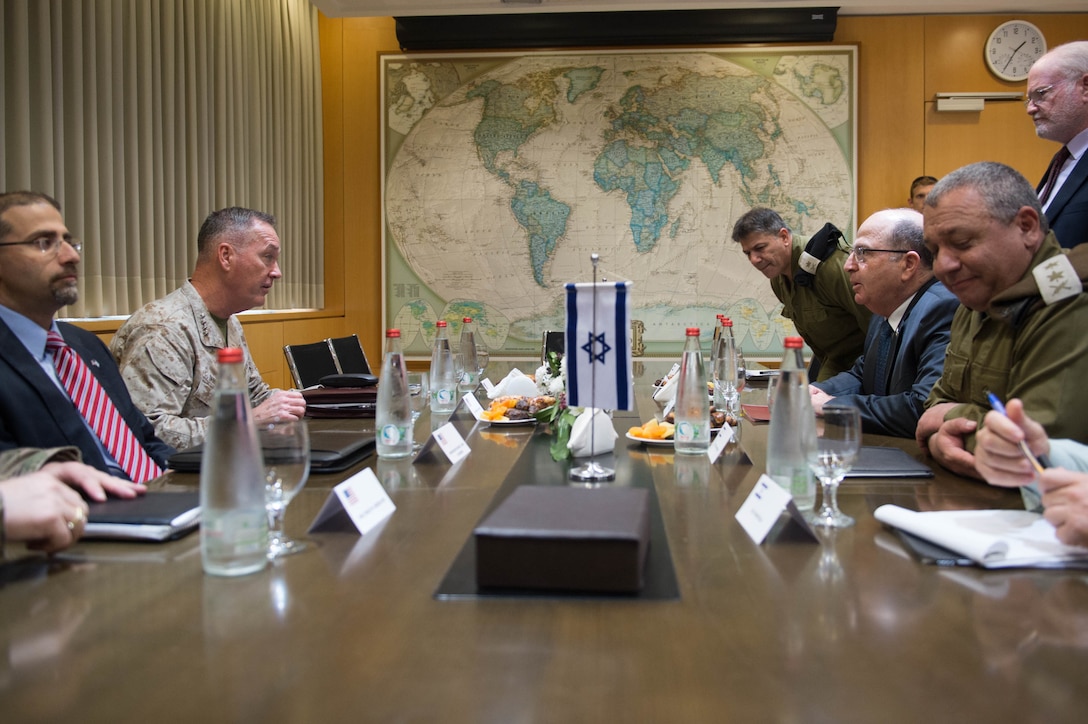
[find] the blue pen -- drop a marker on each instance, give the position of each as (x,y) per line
(1040,463)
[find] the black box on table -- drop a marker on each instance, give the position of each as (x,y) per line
(565,539)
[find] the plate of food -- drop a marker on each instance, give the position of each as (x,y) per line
(515,410)
(718,418)
(652,433)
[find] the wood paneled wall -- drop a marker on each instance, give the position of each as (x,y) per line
(903,62)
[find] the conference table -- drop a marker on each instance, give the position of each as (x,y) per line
(847,629)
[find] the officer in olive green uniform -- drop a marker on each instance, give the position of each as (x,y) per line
(824,311)
(1021,329)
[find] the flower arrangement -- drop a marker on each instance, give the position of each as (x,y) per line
(551,379)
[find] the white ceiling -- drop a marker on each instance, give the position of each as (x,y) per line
(393,8)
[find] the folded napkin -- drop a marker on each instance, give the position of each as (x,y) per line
(517,383)
(667,392)
(592,434)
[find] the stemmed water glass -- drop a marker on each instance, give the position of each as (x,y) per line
(459,370)
(482,358)
(286,449)
(419,395)
(837,444)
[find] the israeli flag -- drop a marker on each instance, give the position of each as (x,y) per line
(598,347)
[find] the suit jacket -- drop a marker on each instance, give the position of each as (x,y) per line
(918,363)
(34,412)
(1068,212)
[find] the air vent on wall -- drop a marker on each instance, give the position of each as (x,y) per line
(633,28)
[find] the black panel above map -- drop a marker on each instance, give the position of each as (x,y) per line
(598,29)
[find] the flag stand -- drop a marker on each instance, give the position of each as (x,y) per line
(592,471)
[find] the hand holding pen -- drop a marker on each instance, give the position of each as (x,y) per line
(1005,441)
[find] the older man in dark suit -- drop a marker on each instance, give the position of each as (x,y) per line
(891,273)
(60,384)
(1058,106)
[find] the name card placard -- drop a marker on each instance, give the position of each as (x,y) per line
(451,442)
(364,500)
(763,507)
(717,445)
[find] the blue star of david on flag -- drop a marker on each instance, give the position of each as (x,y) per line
(594,344)
(599,359)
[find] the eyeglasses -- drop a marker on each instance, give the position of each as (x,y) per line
(1038,95)
(860,252)
(49,243)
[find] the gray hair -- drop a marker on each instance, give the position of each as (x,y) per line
(1069,59)
(231,220)
(907,234)
(758,221)
(1004,191)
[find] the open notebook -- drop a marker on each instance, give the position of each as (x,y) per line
(990,538)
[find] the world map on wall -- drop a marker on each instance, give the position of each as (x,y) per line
(502,174)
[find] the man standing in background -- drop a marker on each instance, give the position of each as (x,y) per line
(919,189)
(1057,101)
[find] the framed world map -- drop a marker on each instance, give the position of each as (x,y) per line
(503,172)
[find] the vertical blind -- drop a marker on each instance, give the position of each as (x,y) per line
(141,118)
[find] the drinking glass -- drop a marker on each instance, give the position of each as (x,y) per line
(482,358)
(419,395)
(458,369)
(286,449)
(837,444)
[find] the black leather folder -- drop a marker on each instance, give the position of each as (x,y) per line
(330,452)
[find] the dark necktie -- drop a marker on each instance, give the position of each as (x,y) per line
(883,359)
(1052,173)
(99,411)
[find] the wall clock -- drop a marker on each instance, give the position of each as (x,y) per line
(1012,48)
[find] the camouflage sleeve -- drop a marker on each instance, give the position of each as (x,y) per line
(159,369)
(23,460)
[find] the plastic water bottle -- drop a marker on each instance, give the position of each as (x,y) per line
(393,417)
(692,411)
(443,379)
(471,377)
(792,434)
(234,524)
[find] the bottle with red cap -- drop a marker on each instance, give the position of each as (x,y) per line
(393,416)
(692,410)
(443,377)
(792,434)
(233,524)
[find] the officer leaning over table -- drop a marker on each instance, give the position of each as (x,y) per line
(808,278)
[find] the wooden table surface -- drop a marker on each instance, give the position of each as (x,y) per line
(852,630)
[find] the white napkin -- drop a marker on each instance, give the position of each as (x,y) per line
(667,393)
(515,384)
(600,433)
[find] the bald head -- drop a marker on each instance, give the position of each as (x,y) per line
(889,262)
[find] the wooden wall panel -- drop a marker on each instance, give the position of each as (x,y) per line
(1003,131)
(891,86)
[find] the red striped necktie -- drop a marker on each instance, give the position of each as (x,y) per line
(99,411)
